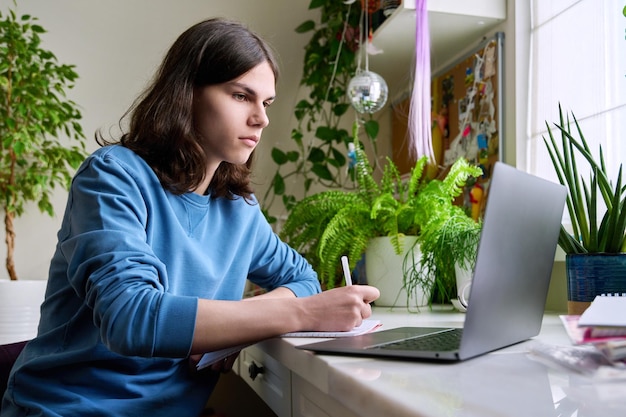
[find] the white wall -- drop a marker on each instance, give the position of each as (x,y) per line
(116,46)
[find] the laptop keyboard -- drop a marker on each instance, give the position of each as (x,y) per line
(443,341)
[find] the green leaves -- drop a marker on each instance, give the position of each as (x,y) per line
(326,225)
(304,27)
(41,137)
(279,184)
(316,3)
(322,172)
(279,157)
(371,128)
(325,133)
(583,196)
(321,145)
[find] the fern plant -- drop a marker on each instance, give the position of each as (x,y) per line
(326,225)
(329,224)
(449,237)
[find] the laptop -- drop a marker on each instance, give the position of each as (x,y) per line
(510,281)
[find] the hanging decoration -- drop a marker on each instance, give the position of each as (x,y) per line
(420,133)
(367,90)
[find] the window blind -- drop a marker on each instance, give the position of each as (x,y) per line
(578,59)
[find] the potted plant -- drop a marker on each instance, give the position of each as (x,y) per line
(326,225)
(596,244)
(34,112)
(448,241)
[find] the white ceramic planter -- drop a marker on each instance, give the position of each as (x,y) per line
(464,277)
(384,270)
(19,309)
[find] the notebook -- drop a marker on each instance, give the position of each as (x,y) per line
(510,281)
(605,310)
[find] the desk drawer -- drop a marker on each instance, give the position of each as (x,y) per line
(268,378)
(309,401)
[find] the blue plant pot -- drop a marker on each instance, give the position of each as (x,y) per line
(589,275)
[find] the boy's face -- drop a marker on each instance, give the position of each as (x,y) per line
(230,117)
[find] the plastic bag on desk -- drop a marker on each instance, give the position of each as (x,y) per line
(585,359)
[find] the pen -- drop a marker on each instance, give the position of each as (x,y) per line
(346,270)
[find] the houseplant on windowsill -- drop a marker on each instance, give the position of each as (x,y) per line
(329,224)
(596,246)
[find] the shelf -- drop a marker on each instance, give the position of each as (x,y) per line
(455,25)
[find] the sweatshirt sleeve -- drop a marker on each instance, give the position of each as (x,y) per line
(276,264)
(111,267)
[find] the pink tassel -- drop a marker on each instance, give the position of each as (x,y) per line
(420,134)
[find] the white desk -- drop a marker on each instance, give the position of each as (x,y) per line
(503,383)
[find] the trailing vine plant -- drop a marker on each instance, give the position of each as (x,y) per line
(320,154)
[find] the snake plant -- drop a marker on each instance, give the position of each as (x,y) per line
(587,235)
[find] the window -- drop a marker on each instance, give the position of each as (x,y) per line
(578,59)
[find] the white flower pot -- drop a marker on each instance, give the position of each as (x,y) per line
(464,275)
(19,309)
(384,270)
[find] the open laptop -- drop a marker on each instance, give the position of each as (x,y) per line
(510,282)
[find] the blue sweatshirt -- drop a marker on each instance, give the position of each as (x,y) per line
(131,261)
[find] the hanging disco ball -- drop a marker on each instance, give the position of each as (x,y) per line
(367,92)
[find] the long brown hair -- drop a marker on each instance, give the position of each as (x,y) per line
(161,128)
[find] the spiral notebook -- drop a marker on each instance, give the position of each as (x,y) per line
(605,316)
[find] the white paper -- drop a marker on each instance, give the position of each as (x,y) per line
(605,311)
(210,358)
(365,327)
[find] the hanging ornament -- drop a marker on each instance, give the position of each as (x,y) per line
(367,92)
